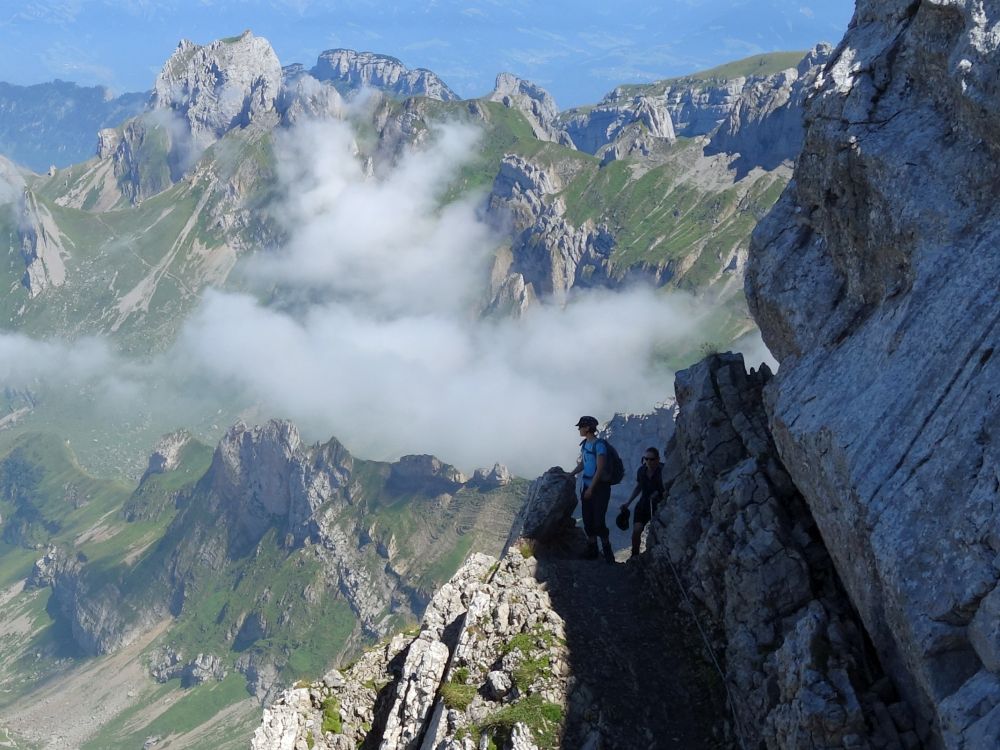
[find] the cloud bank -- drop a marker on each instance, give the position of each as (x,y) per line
(365,326)
(371,332)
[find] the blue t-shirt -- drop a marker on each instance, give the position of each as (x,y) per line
(589,451)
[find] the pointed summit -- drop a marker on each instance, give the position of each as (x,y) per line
(217,87)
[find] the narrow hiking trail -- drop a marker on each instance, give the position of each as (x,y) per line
(641,669)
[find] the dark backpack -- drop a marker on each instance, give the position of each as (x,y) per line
(614,469)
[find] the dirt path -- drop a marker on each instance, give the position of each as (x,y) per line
(638,661)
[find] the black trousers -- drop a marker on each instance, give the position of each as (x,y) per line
(595,509)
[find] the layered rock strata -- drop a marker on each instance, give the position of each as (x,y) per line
(747,552)
(352,70)
(874,281)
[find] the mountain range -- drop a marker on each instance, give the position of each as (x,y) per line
(237,570)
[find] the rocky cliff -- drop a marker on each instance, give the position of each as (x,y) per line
(350,70)
(737,534)
(214,88)
(874,281)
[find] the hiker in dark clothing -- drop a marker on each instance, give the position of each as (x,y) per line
(649,490)
(596,492)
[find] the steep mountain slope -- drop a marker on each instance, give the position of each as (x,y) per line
(267,558)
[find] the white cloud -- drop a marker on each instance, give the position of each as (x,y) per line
(375,339)
(372,335)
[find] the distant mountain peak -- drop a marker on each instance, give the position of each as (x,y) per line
(352,70)
(227,83)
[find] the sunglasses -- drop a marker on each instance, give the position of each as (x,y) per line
(650,458)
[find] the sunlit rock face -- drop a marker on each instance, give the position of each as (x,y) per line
(219,86)
(356,69)
(875,283)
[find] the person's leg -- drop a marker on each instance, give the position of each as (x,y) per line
(637,537)
(639,521)
(602,496)
(589,527)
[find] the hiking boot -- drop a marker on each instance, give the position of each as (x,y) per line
(609,554)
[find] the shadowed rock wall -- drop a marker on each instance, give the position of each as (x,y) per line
(875,283)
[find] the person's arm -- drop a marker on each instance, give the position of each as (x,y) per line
(577,470)
(634,495)
(598,473)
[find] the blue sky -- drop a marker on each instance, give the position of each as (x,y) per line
(577,50)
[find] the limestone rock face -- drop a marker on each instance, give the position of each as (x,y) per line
(461,668)
(594,128)
(166,453)
(740,537)
(304,97)
(261,473)
(223,85)
(425,474)
(874,281)
(353,70)
(43,246)
(486,479)
(766,125)
(534,102)
(697,109)
(548,254)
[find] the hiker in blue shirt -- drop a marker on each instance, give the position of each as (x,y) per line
(596,490)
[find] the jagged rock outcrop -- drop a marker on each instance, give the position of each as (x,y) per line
(214,88)
(488,479)
(425,474)
(547,511)
(263,474)
(489,660)
(534,102)
(168,664)
(740,536)
(595,127)
(352,70)
(874,282)
(48,567)
(166,454)
(766,126)
(548,254)
(304,97)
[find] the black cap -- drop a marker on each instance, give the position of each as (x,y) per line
(586,422)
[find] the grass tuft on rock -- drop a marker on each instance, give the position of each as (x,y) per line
(331,716)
